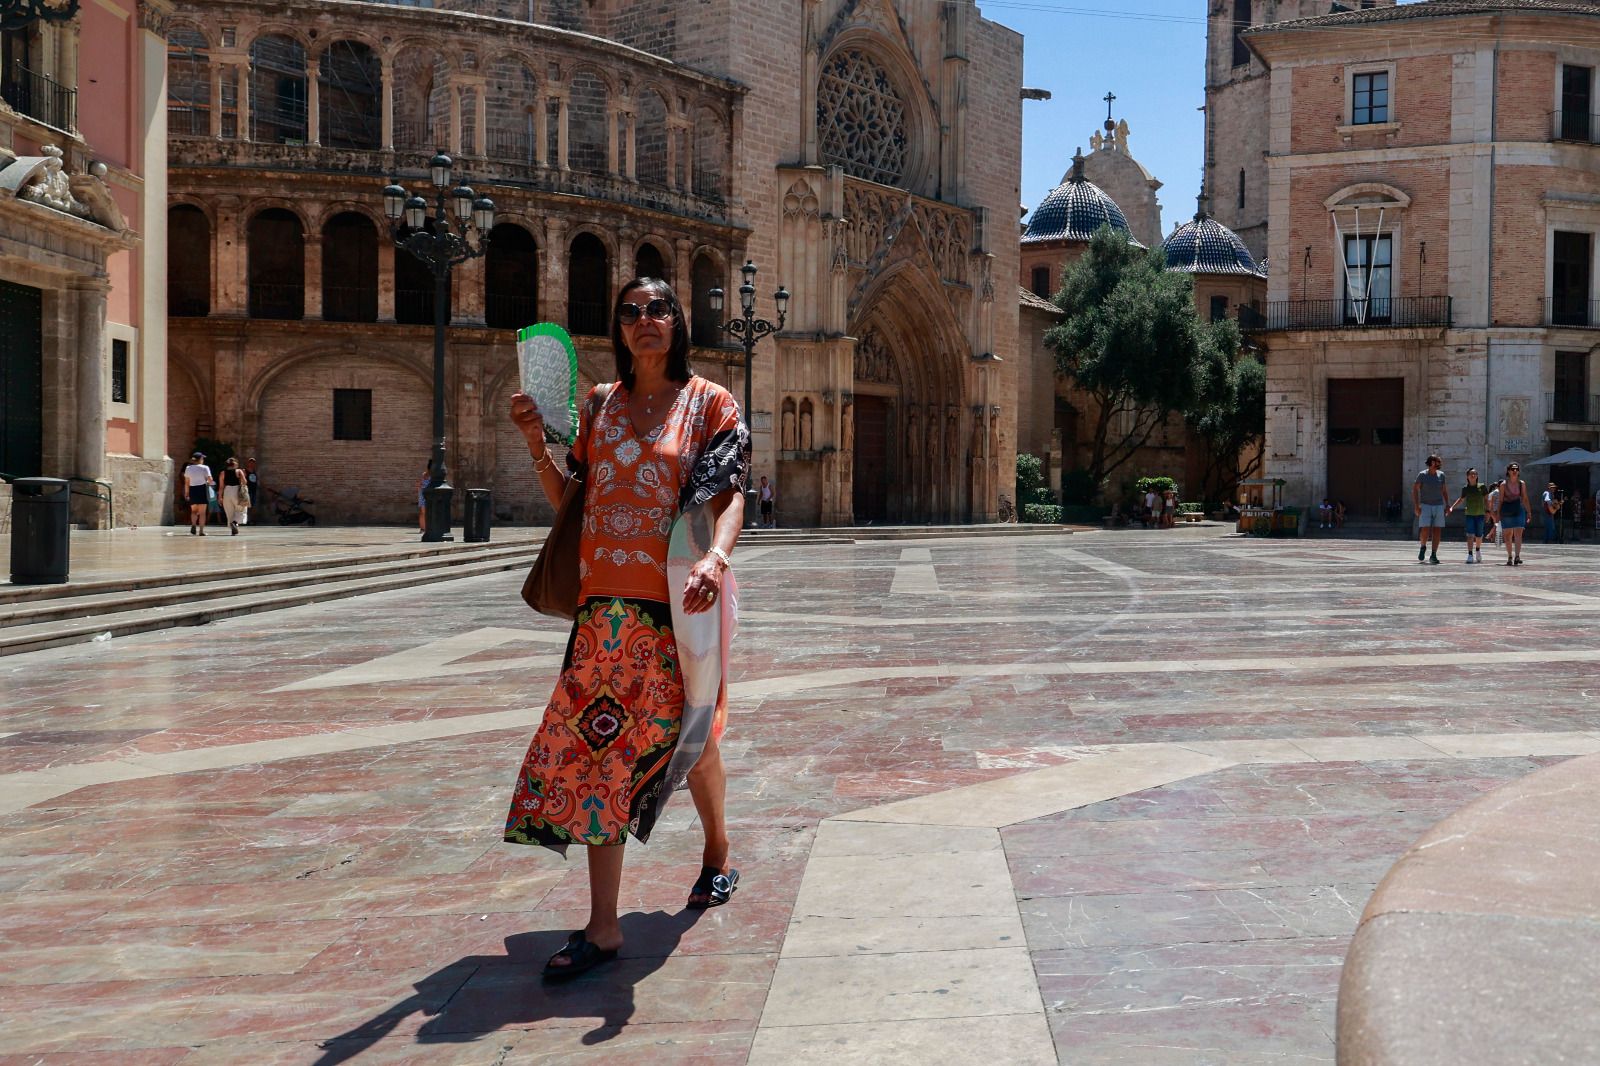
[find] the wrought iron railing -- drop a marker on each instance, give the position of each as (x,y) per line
(1572,407)
(350,303)
(1576,311)
(1575,125)
(507,311)
(589,318)
(282,301)
(189,121)
(1393,312)
(41,97)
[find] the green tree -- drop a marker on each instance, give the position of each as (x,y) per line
(1130,339)
(1231,426)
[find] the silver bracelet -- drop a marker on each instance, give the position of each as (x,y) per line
(720,554)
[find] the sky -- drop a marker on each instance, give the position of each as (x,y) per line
(1150,53)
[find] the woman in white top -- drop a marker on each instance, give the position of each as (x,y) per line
(197,477)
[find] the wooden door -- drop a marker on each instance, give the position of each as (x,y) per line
(21,381)
(871,493)
(1366,444)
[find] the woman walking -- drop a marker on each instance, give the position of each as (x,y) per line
(1513,513)
(235,496)
(199,483)
(1476,498)
(659,441)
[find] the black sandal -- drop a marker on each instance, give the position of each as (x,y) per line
(716,886)
(582,955)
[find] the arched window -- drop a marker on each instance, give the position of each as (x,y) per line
(1241,188)
(421,100)
(648,262)
(586,124)
(509,103)
(710,156)
(188,83)
(861,118)
(350,268)
(706,329)
(350,91)
(511,278)
(413,289)
(650,139)
(277,265)
(188,262)
(589,287)
(277,90)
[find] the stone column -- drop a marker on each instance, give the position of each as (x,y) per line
(313,276)
(563,125)
(455,120)
(553,271)
(630,125)
(688,159)
(313,103)
(468,302)
(480,121)
(683,274)
(541,130)
(386,108)
(612,117)
(90,440)
(672,157)
(386,281)
(215,116)
(229,281)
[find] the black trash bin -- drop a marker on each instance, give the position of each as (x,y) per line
(479,517)
(41,509)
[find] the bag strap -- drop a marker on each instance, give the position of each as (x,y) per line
(597,399)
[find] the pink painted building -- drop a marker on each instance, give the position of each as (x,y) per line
(82,275)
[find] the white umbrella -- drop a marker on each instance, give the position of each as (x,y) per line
(1571,455)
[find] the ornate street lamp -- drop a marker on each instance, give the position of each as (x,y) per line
(748,329)
(440,249)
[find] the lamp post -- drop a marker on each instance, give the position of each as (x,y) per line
(748,329)
(440,249)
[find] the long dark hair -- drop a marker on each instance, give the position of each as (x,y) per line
(677,356)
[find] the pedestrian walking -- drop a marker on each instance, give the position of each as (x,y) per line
(1431,500)
(1513,513)
(766,501)
(1551,505)
(1476,498)
(198,488)
(661,440)
(422,498)
(1492,525)
(235,496)
(1169,509)
(252,481)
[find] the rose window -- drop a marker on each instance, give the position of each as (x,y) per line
(861,119)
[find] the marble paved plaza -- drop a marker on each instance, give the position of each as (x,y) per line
(1090,799)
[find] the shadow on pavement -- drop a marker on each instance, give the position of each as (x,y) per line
(479,995)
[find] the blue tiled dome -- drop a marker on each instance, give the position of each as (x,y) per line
(1074,210)
(1205,246)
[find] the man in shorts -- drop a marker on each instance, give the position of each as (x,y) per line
(766,495)
(1431,501)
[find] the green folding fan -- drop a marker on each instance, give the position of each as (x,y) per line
(549,363)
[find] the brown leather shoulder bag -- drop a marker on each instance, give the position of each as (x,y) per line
(552,586)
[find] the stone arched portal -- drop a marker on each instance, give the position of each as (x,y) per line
(906,425)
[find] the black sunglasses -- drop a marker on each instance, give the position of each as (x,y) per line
(657,310)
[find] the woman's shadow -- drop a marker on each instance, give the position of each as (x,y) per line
(481,994)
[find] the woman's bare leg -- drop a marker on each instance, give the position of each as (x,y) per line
(708,784)
(604,930)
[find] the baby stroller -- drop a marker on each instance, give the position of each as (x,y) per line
(289,506)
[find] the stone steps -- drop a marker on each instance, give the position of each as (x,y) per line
(858,534)
(100,610)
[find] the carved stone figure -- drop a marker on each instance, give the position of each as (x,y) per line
(807,443)
(788,434)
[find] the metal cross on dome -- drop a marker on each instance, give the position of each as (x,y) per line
(15,14)
(1110,98)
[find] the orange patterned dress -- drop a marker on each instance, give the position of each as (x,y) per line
(596,769)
